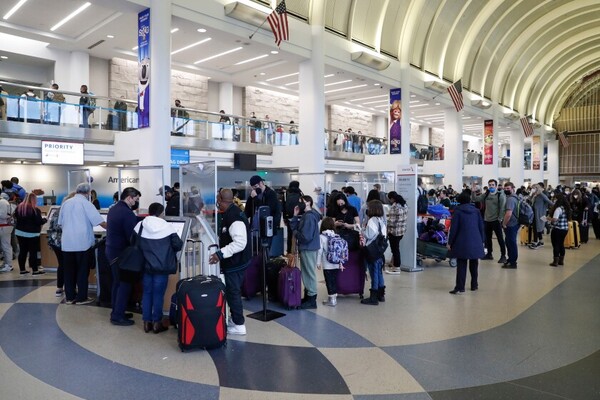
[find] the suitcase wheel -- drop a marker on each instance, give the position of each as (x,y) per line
(361,296)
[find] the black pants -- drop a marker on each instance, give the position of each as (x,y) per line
(331,280)
(596,225)
(557,236)
(77,268)
(233,294)
(492,227)
(461,273)
(395,248)
(60,270)
(29,246)
(290,234)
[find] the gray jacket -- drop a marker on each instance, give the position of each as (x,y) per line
(540,204)
(494,205)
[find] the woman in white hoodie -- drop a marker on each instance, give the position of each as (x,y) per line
(159,243)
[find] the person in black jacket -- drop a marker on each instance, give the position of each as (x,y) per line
(234,255)
(27,229)
(159,242)
(262,195)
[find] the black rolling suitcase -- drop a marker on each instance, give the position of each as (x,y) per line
(201,313)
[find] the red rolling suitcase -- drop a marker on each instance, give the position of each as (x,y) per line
(352,279)
(201,313)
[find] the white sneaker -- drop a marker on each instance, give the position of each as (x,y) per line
(236,329)
(6,268)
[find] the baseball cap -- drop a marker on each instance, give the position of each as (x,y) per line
(166,189)
(255,179)
(318,189)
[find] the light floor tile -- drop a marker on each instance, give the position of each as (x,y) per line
(371,371)
(44,294)
(238,394)
(270,332)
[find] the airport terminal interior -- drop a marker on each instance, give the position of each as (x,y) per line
(329,93)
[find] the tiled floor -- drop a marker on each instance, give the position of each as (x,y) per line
(530,333)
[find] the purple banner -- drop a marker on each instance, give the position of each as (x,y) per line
(144,69)
(395,121)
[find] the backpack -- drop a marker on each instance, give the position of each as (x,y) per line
(337,249)
(524,213)
(422,202)
(291,201)
(54,232)
(376,249)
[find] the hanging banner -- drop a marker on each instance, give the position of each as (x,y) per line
(488,142)
(535,152)
(395,121)
(144,69)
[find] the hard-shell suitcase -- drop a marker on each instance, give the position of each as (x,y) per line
(290,287)
(201,313)
(572,238)
(352,279)
(274,266)
(276,249)
(252,283)
(525,235)
(584,228)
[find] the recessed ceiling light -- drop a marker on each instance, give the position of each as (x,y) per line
(339,82)
(251,59)
(14,9)
(110,36)
(190,46)
(376,84)
(292,83)
(281,77)
(329,75)
(346,88)
(218,55)
(174,30)
(70,16)
(370,97)
(274,52)
(4,57)
(135,48)
(413,95)
(262,74)
(201,30)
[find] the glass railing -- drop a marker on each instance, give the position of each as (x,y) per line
(350,142)
(426,152)
(472,158)
(56,107)
(503,162)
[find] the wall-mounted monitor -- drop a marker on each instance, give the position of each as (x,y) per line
(49,200)
(62,153)
(244,162)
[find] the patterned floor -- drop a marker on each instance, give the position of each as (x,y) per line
(530,333)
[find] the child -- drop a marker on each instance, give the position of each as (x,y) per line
(330,270)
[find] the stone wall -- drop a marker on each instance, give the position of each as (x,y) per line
(191,89)
(343,118)
(437,137)
(278,106)
(415,133)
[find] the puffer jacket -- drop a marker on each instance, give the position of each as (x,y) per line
(159,243)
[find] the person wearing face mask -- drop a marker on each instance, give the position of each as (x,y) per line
(494,201)
(540,203)
(121,220)
(580,207)
(510,224)
(262,195)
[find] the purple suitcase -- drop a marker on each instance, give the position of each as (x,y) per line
(290,287)
(252,283)
(352,279)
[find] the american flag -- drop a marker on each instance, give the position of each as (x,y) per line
(455,91)
(279,23)
(563,139)
(527,128)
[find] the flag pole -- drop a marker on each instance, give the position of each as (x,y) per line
(260,26)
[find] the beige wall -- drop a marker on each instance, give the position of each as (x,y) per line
(343,118)
(281,107)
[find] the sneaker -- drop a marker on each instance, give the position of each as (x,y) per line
(502,260)
(6,268)
(534,246)
(510,266)
(230,322)
(40,268)
(540,244)
(236,329)
(38,272)
(82,302)
(488,256)
(456,291)
(23,272)
(59,292)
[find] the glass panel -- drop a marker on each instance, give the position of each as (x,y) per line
(198,186)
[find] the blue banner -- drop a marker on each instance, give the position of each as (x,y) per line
(179,156)
(395,121)
(144,68)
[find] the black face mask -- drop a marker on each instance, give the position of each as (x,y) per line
(135,206)
(258,191)
(302,206)
(507,192)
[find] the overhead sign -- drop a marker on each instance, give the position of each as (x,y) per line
(62,153)
(179,156)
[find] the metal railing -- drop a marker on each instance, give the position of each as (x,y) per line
(351,142)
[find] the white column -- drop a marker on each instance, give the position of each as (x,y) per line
(453,154)
(404,159)
(226,97)
(553,163)
(312,103)
(517,158)
(79,72)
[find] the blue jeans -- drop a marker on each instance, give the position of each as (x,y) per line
(152,299)
(376,274)
(510,238)
(233,295)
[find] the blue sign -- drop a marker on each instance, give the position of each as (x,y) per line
(144,69)
(178,157)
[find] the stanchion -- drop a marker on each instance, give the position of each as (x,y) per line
(266,314)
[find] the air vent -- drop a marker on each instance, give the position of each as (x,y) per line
(99,42)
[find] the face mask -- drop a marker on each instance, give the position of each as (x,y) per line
(258,191)
(507,192)
(135,205)
(302,206)
(575,197)
(492,190)
(567,192)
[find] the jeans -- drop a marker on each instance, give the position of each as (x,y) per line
(31,246)
(376,274)
(155,286)
(492,227)
(5,232)
(233,295)
(331,280)
(557,236)
(308,267)
(76,268)
(461,273)
(510,233)
(395,248)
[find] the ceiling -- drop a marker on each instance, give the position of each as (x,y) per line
(525,55)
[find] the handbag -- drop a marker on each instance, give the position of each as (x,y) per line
(352,237)
(376,249)
(132,258)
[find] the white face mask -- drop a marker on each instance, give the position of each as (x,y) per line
(575,197)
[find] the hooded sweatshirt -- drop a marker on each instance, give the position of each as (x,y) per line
(159,243)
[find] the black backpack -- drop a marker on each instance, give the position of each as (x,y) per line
(291,201)
(422,202)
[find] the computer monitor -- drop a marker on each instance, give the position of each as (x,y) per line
(98,228)
(179,227)
(49,200)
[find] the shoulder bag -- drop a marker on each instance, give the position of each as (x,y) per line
(132,258)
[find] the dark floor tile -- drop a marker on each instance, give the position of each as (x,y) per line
(403,396)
